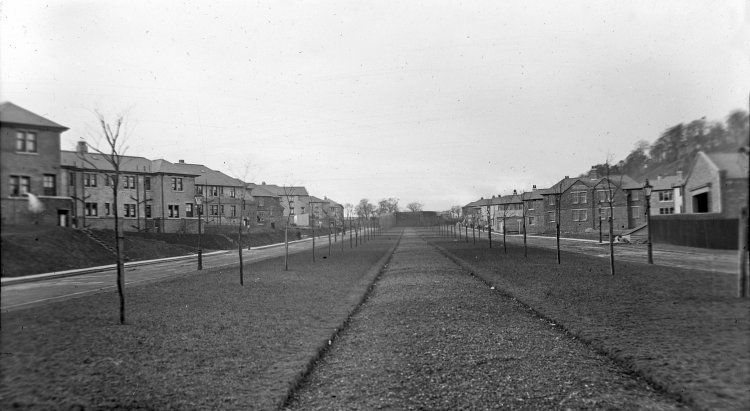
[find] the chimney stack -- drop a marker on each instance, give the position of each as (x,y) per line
(679,174)
(182,161)
(533,188)
(82,147)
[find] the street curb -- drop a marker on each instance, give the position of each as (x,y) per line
(89,270)
(80,271)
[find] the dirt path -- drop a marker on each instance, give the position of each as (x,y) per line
(433,337)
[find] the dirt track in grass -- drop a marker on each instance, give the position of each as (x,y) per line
(195,342)
(684,330)
(433,337)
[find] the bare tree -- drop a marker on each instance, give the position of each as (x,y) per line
(414,207)
(611,190)
(114,137)
(349,209)
(524,208)
(556,196)
(289,193)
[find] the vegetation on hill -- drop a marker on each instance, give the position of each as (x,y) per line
(677,145)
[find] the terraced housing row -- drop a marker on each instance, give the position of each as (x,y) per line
(73,188)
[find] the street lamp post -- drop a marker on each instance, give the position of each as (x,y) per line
(647,188)
(199,203)
(600,224)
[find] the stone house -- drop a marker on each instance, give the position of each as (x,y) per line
(30,191)
(269,211)
(717,183)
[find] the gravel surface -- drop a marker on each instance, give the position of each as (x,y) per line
(433,337)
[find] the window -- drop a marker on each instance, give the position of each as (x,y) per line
(19,185)
(72,178)
(666,210)
(188,210)
(147,183)
(665,196)
(213,191)
(580,215)
(261,203)
(128,182)
(303,210)
(531,220)
(48,181)
(89,179)
(232,192)
(635,196)
(174,211)
(221,210)
(221,191)
(176,184)
(91,210)
(579,197)
(147,210)
(198,190)
(604,196)
(129,210)
(107,209)
(25,142)
(214,210)
(550,216)
(233,211)
(635,212)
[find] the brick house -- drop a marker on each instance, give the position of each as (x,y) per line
(226,200)
(30,164)
(717,183)
(573,197)
(325,211)
(472,213)
(666,194)
(296,203)
(269,211)
(152,195)
(535,211)
(628,202)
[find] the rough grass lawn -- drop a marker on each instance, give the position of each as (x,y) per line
(199,341)
(683,330)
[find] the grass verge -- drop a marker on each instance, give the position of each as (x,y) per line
(682,330)
(199,341)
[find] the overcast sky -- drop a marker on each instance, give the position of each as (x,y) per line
(440,102)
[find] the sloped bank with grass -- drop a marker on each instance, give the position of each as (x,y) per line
(683,330)
(200,341)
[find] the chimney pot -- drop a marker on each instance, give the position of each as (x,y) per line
(182,161)
(82,147)
(567,176)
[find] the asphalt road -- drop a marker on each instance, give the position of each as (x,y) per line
(24,295)
(718,261)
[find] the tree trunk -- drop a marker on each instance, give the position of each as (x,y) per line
(313,240)
(119,250)
(558,241)
(286,247)
(239,251)
(611,245)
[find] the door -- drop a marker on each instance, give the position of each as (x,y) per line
(62,218)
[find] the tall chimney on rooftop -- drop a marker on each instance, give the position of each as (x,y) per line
(182,161)
(82,147)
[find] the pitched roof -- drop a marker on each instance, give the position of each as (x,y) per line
(11,113)
(285,190)
(259,191)
(563,185)
(96,161)
(623,181)
(735,164)
(205,175)
(665,183)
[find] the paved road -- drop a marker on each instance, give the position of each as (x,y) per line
(19,296)
(718,261)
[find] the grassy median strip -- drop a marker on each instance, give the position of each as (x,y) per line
(199,341)
(683,330)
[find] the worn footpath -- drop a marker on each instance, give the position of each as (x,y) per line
(431,336)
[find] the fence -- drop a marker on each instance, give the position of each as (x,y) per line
(696,230)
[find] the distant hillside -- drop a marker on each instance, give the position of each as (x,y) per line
(677,146)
